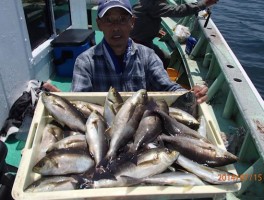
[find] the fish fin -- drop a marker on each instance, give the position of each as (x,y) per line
(153,161)
(86,184)
(117,107)
(160,140)
(108,163)
(80,180)
(130,156)
(132,180)
(102,173)
(104,163)
(171,168)
(95,123)
(56,103)
(108,132)
(187,188)
(134,159)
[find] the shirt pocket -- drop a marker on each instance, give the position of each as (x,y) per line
(138,82)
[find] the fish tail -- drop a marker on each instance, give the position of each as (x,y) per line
(131,156)
(104,163)
(82,181)
(86,184)
(102,173)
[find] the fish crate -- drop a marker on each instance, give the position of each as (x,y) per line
(25,175)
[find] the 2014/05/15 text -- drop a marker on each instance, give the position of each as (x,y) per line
(242,177)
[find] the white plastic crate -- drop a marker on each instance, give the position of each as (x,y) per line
(25,176)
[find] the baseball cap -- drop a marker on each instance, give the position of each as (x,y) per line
(105,5)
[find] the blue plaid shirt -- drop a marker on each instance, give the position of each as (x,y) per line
(94,71)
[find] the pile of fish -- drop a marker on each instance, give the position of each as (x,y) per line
(139,141)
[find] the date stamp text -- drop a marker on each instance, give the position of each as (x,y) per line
(241,177)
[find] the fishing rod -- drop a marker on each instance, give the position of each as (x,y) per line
(208,14)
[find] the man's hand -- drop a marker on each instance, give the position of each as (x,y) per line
(200,92)
(50,87)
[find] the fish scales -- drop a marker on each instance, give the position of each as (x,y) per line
(87,108)
(208,174)
(56,183)
(173,127)
(121,181)
(183,117)
(73,141)
(95,136)
(150,162)
(200,151)
(63,111)
(52,133)
(174,179)
(64,161)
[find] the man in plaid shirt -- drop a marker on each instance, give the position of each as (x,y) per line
(118,61)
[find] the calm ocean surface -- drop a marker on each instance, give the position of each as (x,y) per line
(241,22)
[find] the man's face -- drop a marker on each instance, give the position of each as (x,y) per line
(116,25)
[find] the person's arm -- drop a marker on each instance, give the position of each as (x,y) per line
(81,80)
(158,80)
(163,9)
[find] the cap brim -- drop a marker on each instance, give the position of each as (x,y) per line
(102,13)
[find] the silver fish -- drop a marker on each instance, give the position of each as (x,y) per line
(55,183)
(162,105)
(95,136)
(113,103)
(187,102)
(73,141)
(208,174)
(126,121)
(87,108)
(149,128)
(150,125)
(121,181)
(63,111)
(51,134)
(183,117)
(174,179)
(64,161)
(199,151)
(150,162)
(173,127)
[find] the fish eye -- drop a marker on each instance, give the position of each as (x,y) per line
(41,164)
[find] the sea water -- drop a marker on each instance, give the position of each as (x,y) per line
(241,22)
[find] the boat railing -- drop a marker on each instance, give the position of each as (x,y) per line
(232,97)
